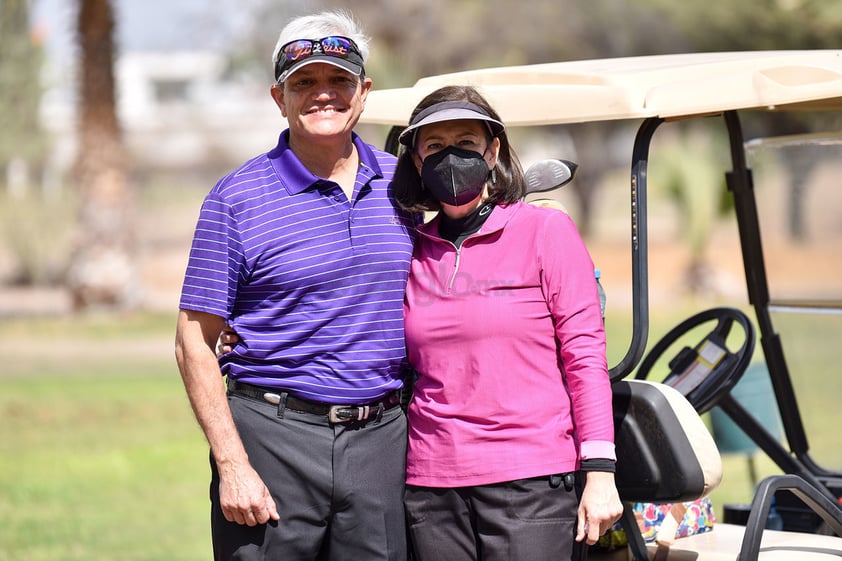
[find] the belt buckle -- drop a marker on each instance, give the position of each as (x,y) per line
(345,413)
(272,398)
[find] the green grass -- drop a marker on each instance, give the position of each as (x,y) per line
(101,459)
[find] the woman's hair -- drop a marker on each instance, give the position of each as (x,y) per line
(510,185)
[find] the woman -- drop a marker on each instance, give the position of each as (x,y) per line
(511,453)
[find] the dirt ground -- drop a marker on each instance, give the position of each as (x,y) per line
(161,267)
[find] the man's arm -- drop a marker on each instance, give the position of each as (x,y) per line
(243,495)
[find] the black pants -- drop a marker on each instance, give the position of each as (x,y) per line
(338,488)
(523,520)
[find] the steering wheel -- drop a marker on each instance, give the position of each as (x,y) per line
(710,370)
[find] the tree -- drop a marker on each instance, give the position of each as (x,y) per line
(102,271)
(22,143)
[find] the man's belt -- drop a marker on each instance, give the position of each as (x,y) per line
(334,413)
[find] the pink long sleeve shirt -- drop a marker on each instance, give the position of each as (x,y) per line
(507,338)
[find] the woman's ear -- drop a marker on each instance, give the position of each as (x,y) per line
(416,159)
(492,153)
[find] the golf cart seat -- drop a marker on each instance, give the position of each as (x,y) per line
(666,454)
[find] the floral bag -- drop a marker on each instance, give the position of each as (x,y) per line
(664,523)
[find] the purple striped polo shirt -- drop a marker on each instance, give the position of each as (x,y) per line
(312,283)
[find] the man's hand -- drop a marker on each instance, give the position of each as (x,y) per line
(243,496)
(599,508)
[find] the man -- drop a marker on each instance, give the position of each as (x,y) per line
(303,251)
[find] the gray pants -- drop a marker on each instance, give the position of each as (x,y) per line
(338,488)
(523,520)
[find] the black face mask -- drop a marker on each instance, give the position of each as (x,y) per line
(454,176)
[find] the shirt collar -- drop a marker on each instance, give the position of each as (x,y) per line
(296,178)
(495,222)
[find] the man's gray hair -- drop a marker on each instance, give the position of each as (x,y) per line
(324,24)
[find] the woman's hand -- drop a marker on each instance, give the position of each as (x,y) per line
(228,339)
(599,508)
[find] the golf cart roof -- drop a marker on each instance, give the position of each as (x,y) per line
(665,86)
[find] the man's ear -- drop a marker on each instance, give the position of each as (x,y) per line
(365,86)
(277,92)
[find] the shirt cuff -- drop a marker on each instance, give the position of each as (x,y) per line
(598,449)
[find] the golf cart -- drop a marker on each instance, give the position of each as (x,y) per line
(664,450)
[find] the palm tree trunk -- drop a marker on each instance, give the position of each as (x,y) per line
(102,271)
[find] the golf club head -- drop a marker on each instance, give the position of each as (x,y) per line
(546,175)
